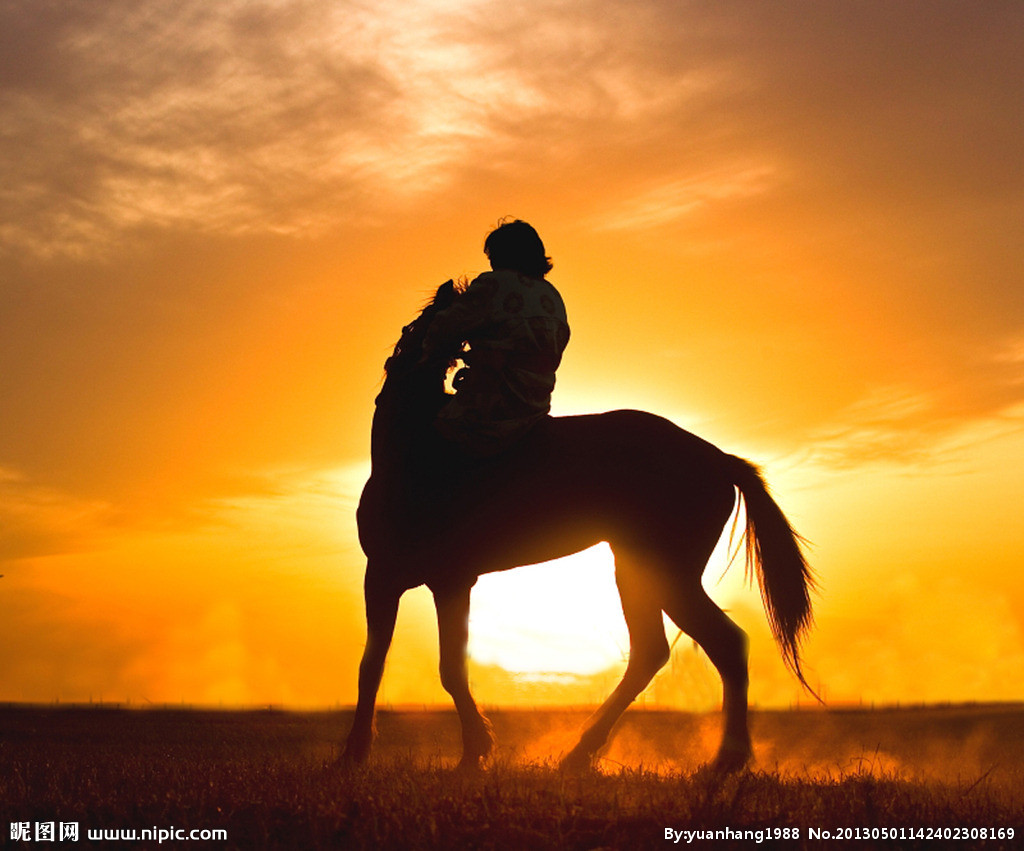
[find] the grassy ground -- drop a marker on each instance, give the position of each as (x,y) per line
(267,778)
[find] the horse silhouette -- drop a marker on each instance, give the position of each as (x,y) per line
(659,496)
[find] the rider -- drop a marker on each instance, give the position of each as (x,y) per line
(515,325)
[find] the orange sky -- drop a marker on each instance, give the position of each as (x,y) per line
(795,230)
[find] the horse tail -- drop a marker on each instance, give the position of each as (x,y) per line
(774,553)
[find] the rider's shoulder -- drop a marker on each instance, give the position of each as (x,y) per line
(507,279)
(486,284)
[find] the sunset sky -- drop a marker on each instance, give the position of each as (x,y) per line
(793,228)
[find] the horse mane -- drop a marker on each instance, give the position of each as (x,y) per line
(410,345)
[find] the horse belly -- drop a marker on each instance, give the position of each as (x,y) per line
(512,530)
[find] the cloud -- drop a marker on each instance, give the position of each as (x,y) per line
(673,199)
(1012,353)
(296,117)
(238,117)
(891,424)
(917,425)
(38,520)
(292,117)
(224,118)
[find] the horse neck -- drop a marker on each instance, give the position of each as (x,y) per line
(403,417)
(412,393)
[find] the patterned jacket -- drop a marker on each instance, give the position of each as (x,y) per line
(517,329)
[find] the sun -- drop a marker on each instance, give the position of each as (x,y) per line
(564,616)
(559,616)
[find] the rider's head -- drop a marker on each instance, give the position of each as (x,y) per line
(515,245)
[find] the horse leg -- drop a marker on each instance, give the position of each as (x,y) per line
(453,634)
(381,612)
(726,645)
(648,652)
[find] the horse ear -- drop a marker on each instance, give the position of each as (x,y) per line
(445,294)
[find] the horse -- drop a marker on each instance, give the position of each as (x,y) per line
(658,495)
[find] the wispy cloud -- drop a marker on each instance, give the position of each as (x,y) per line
(888,425)
(296,116)
(687,196)
(910,429)
(183,114)
(1012,352)
(39,520)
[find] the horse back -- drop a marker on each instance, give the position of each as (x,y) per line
(626,477)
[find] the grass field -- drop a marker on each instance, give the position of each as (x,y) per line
(266,778)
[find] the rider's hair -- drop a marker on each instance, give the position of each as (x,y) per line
(516,245)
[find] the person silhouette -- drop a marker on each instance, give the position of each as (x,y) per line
(511,326)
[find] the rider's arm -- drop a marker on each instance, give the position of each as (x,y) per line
(471,311)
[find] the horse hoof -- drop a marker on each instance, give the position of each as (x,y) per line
(576,762)
(340,765)
(354,755)
(730,761)
(470,766)
(346,763)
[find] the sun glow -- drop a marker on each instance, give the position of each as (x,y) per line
(559,616)
(229,212)
(564,616)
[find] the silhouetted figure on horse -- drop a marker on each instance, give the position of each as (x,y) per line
(485,480)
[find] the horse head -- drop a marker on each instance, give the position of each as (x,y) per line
(408,353)
(413,390)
